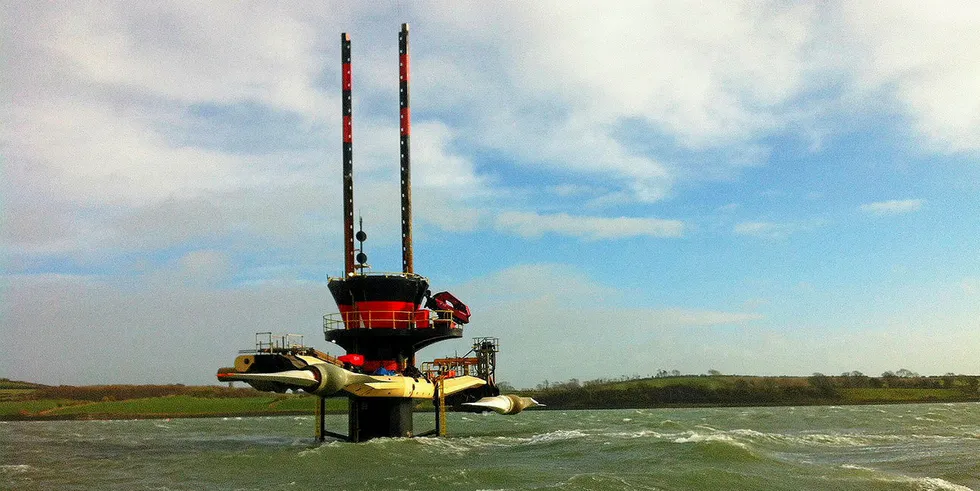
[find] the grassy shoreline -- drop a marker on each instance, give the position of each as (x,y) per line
(101,416)
(164,407)
(22,401)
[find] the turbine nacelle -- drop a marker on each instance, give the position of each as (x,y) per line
(505,404)
(326,379)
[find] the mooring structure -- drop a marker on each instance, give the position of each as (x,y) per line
(382,316)
(384,319)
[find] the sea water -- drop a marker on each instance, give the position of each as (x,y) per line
(903,447)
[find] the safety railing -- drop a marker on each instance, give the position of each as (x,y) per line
(388,319)
(269,342)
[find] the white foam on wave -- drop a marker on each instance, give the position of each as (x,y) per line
(457,445)
(806,439)
(833,440)
(928,483)
(15,468)
(935,483)
(743,436)
(921,483)
(323,447)
(694,437)
(638,434)
(555,436)
(444,445)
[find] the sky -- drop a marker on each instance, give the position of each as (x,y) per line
(764,188)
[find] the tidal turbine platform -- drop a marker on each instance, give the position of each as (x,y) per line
(383,320)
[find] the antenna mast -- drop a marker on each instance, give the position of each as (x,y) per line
(406,166)
(348,157)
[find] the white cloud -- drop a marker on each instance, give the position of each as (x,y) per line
(91,154)
(704,81)
(553,81)
(95,332)
(924,56)
(562,311)
(529,224)
(73,318)
(95,144)
(970,286)
(436,169)
(777,230)
(192,52)
(204,267)
(763,229)
(893,207)
(684,317)
(94,87)
(567,190)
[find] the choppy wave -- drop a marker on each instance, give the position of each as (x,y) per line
(918,483)
(850,448)
(555,436)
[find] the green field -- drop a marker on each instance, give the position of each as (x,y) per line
(13,408)
(166,407)
(704,382)
(26,401)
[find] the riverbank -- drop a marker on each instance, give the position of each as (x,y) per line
(725,391)
(23,401)
(164,407)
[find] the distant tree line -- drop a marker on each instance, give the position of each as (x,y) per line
(900,379)
(741,391)
(622,378)
(735,390)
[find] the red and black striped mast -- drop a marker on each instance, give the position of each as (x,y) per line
(383,315)
(348,156)
(406,166)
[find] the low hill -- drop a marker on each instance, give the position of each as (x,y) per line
(7,384)
(28,401)
(722,390)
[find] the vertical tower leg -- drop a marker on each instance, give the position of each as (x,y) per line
(380,417)
(321,407)
(441,408)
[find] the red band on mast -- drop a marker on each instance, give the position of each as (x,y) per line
(403,64)
(406,121)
